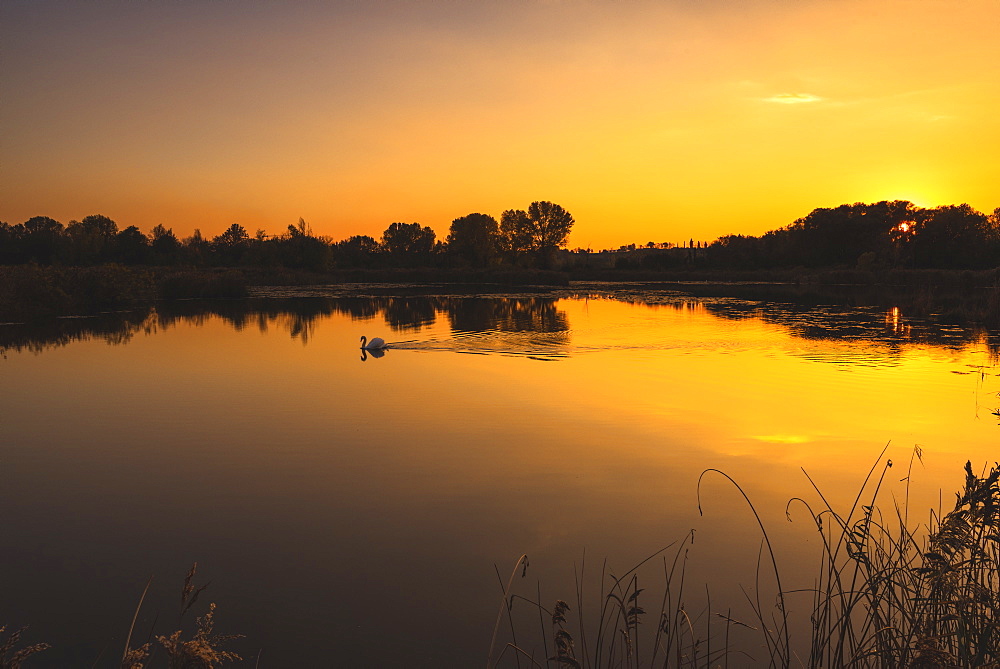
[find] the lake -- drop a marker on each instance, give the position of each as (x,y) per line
(368,512)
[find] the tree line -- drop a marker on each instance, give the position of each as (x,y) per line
(521,238)
(895,234)
(885,234)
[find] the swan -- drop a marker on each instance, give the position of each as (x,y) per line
(376,344)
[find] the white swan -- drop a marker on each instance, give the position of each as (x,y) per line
(376,344)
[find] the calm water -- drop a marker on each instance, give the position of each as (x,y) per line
(350,512)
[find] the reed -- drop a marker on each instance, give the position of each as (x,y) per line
(893,595)
(888,593)
(33,292)
(204,648)
(197,283)
(11,657)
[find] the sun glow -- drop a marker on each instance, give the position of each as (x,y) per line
(632,116)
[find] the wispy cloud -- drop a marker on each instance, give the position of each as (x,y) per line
(793,98)
(783,438)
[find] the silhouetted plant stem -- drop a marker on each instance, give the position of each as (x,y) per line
(784,652)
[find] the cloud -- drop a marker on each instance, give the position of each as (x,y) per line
(793,98)
(783,439)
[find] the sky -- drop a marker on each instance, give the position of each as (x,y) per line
(647,120)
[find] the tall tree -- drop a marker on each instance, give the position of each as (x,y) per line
(301,249)
(232,244)
(953,236)
(197,249)
(165,245)
(474,239)
(11,243)
(408,244)
(515,235)
(132,246)
(357,251)
(541,230)
(92,239)
(42,238)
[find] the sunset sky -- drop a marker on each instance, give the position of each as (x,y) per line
(648,121)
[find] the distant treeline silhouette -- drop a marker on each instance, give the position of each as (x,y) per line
(879,236)
(870,236)
(522,238)
(883,235)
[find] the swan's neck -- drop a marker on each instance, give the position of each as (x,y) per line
(364,341)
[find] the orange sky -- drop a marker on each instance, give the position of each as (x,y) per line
(648,121)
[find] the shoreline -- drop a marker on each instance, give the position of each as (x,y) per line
(31,292)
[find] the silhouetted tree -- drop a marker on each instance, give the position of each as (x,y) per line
(826,237)
(742,251)
(541,230)
(11,236)
(92,239)
(359,251)
(839,236)
(232,244)
(515,235)
(953,236)
(132,246)
(474,240)
(551,225)
(42,239)
(408,244)
(165,245)
(299,249)
(197,250)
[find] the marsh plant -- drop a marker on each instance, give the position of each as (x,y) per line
(11,656)
(203,650)
(888,593)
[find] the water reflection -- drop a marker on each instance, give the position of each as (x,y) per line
(374,352)
(112,328)
(405,479)
(894,321)
(531,325)
(468,318)
(890,328)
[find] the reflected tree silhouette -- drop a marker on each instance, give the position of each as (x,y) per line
(531,314)
(824,315)
(474,314)
(115,329)
(493,316)
(409,313)
(509,315)
(358,308)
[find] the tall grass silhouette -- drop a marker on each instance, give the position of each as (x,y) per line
(887,592)
(203,650)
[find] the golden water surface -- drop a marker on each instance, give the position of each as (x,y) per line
(350,512)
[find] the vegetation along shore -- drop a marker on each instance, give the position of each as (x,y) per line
(937,262)
(888,592)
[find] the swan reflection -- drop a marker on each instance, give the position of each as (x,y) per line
(373,352)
